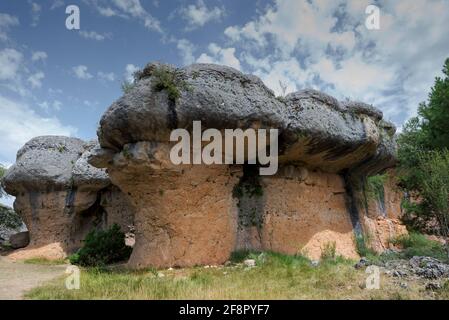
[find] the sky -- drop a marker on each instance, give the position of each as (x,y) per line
(56,81)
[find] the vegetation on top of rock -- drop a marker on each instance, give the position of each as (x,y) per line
(169,80)
(102,247)
(126,86)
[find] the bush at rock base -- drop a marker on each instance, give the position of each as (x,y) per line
(102,247)
(416,244)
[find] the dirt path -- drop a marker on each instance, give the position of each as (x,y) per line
(16,277)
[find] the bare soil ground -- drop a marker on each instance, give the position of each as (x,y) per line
(17,277)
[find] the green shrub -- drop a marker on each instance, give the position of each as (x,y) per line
(102,247)
(166,79)
(416,244)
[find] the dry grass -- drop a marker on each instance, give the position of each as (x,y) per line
(44,261)
(275,277)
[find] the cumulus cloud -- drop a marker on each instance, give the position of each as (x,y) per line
(219,55)
(6,22)
(325,45)
(197,15)
(81,72)
(20,123)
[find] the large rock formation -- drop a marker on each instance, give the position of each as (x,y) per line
(60,196)
(199,214)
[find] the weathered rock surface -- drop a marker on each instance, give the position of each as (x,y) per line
(19,240)
(58,194)
(380,216)
(315,128)
(416,267)
(189,215)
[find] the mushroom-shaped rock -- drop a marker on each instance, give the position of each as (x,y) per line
(58,194)
(189,214)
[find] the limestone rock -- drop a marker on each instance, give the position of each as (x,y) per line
(326,146)
(19,240)
(59,194)
(219,96)
(314,128)
(44,163)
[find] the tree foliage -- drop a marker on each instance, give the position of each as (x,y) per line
(424,157)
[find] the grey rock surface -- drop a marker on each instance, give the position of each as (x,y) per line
(87,177)
(44,163)
(315,128)
(219,96)
(51,163)
(19,240)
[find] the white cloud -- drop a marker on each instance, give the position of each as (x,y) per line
(48,106)
(6,21)
(13,71)
(90,104)
(10,60)
(218,55)
(20,123)
(92,35)
(36,79)
(56,4)
(325,45)
(81,72)
(39,55)
(130,69)
(197,15)
(35,14)
(106,76)
(126,9)
(186,49)
(107,12)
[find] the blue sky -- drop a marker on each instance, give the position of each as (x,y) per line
(59,81)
